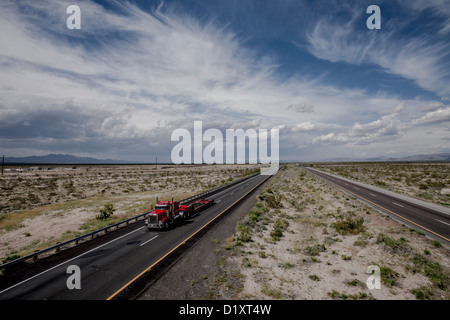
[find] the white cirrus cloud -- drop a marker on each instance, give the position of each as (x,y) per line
(421,58)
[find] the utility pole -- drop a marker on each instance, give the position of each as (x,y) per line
(3,163)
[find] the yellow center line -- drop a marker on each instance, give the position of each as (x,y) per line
(181,243)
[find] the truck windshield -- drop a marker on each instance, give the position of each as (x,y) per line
(159,207)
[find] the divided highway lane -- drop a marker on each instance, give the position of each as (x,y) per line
(429,218)
(119,258)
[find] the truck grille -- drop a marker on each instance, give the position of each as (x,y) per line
(152,219)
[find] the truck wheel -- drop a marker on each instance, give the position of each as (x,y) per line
(166,225)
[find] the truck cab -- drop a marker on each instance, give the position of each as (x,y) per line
(165,214)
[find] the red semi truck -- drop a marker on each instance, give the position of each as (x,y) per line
(167,213)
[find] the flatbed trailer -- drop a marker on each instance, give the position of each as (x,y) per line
(190,210)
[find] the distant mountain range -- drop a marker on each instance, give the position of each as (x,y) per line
(71,159)
(428,157)
(60,159)
(417,157)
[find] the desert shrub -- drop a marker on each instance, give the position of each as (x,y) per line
(396,246)
(244,232)
(33,198)
(423,186)
(422,293)
(70,187)
(350,226)
(272,200)
(432,270)
(436,243)
(11,258)
(381,183)
(389,277)
(279,226)
(355,283)
(315,250)
(255,214)
(106,212)
(363,239)
(314,277)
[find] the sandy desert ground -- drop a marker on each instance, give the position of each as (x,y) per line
(306,239)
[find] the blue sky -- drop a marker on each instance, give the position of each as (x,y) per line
(138,70)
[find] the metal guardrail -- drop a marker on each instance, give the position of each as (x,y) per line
(57,247)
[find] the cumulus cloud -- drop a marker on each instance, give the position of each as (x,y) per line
(390,127)
(304,127)
(434,117)
(331,137)
(386,128)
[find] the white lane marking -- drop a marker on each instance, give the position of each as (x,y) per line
(372,194)
(398,204)
(217,201)
(148,241)
(442,222)
(228,189)
(356,188)
(63,263)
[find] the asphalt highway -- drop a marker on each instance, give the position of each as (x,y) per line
(432,219)
(113,262)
